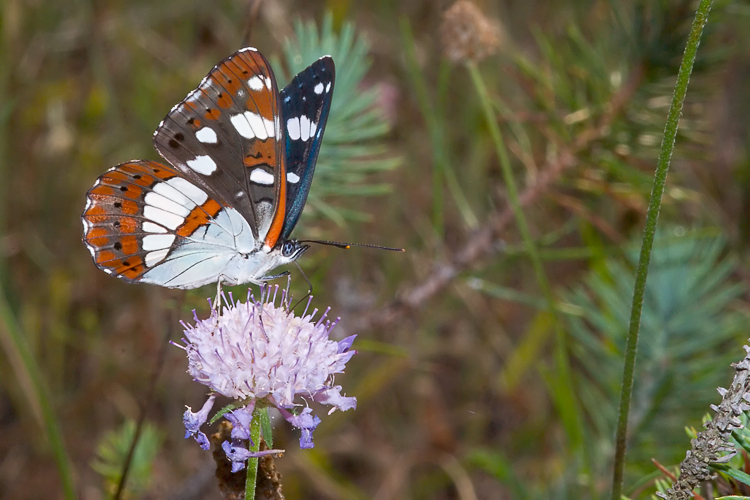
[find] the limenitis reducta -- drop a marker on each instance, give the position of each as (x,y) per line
(242,158)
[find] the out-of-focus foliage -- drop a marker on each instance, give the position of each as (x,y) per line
(113,450)
(690,326)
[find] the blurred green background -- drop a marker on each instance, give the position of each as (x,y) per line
(478,376)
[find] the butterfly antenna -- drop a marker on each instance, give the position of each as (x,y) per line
(309,287)
(346,246)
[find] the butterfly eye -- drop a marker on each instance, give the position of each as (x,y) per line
(288,248)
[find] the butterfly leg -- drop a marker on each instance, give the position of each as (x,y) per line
(217,302)
(265,279)
(309,287)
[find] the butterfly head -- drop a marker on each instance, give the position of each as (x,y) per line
(292,250)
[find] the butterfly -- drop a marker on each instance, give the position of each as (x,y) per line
(241,156)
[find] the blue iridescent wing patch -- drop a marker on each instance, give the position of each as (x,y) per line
(305,104)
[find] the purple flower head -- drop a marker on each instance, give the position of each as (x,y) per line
(258,351)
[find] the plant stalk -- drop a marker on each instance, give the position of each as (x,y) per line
(652,218)
(252,463)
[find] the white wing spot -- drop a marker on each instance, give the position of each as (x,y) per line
(202,164)
(166,219)
(328,87)
(251,125)
(260,176)
(268,83)
(313,128)
(292,178)
(171,193)
(195,194)
(242,126)
(92,250)
(319,88)
(153,258)
(304,127)
(255,83)
(292,128)
(207,136)
(158,241)
(150,227)
(161,202)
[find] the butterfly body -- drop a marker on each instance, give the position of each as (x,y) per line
(224,207)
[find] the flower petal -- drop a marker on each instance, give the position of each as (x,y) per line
(193,422)
(346,344)
(241,419)
(236,453)
(332,396)
(306,422)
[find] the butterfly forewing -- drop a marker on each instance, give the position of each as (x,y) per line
(305,104)
(225,137)
(145,221)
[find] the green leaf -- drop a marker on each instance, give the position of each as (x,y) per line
(738,475)
(112,452)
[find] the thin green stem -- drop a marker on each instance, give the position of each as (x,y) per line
(652,218)
(565,398)
(443,170)
(252,463)
(29,374)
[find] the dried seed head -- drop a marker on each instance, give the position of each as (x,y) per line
(467,34)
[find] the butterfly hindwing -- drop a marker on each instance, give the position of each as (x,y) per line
(224,137)
(305,104)
(146,222)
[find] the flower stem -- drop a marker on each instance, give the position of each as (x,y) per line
(652,217)
(252,463)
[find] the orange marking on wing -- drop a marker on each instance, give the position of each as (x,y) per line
(95,212)
(97,237)
(159,170)
(212,114)
(224,100)
(133,270)
(245,65)
(261,103)
(221,83)
(103,190)
(128,225)
(260,152)
(105,256)
(129,244)
(142,179)
(226,79)
(145,180)
(130,207)
(278,219)
(133,192)
(115,177)
(198,217)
